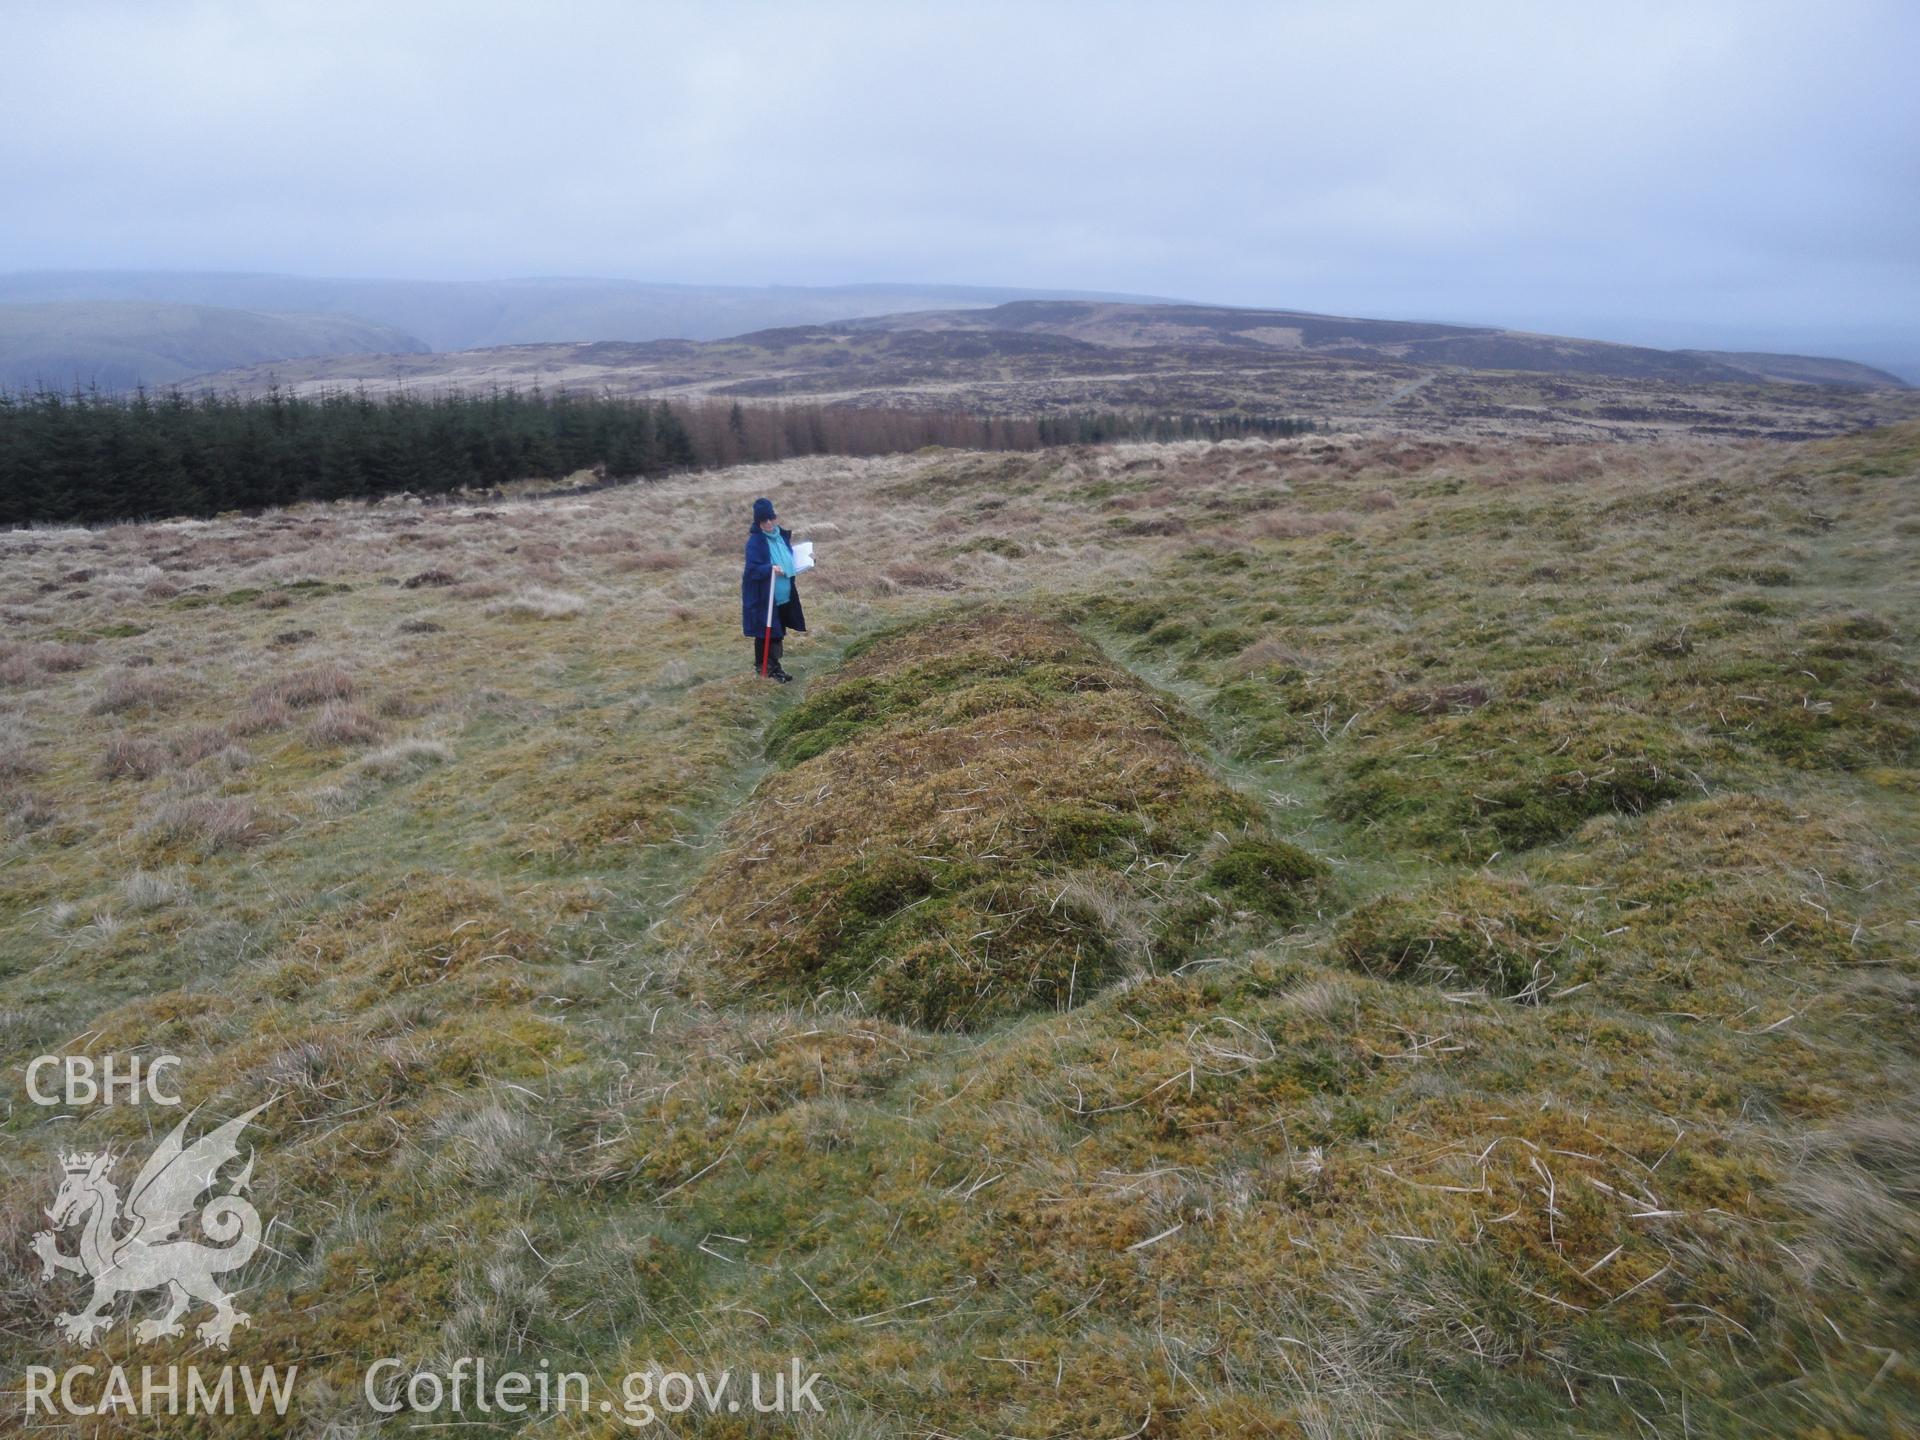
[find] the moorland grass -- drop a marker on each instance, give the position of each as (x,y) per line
(1274,1170)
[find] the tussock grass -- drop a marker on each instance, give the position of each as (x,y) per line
(130,757)
(194,746)
(304,688)
(134,690)
(339,724)
(151,890)
(539,603)
(1249,1183)
(204,823)
(28,664)
(404,759)
(1475,932)
(17,758)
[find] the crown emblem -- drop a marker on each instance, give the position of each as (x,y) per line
(127,1247)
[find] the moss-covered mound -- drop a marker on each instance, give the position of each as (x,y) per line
(972,665)
(1738,878)
(981,816)
(1270,877)
(1478,932)
(1499,780)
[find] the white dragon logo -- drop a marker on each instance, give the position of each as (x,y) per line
(151,1252)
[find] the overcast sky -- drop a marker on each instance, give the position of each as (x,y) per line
(1677,173)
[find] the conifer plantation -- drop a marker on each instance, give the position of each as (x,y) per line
(90,457)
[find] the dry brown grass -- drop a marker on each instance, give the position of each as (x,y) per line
(660,560)
(131,757)
(341,724)
(205,822)
(1271,651)
(261,714)
(60,659)
(1443,699)
(153,890)
(130,690)
(193,746)
(17,758)
(536,602)
(405,758)
(918,574)
(315,686)
(1295,524)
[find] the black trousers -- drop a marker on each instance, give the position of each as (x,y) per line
(772,659)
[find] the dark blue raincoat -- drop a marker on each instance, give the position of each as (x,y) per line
(755,579)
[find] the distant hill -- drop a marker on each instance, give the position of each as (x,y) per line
(1346,374)
(119,344)
(444,316)
(1472,347)
(1802,369)
(915,348)
(465,315)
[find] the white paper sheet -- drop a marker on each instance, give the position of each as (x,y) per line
(802,556)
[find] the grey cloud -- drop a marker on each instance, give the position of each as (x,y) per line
(1714,166)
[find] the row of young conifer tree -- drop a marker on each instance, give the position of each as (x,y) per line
(89,457)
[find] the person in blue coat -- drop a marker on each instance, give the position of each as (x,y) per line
(769,563)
